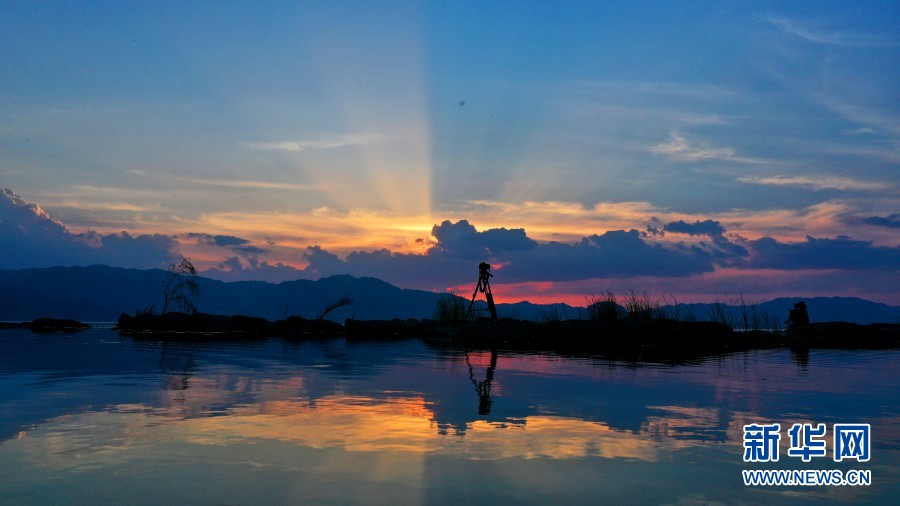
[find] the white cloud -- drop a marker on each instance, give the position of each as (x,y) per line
(835,38)
(236,183)
(332,142)
(816,182)
(683,150)
(861,131)
(229,183)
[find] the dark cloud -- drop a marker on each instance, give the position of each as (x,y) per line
(707,227)
(30,237)
(219,240)
(322,262)
(460,247)
(653,228)
(892,221)
(728,252)
(839,253)
(614,254)
(462,239)
(652,231)
(233,269)
(231,264)
(722,250)
(236,244)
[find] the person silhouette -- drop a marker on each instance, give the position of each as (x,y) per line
(797,316)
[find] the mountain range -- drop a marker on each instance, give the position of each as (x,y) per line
(100,293)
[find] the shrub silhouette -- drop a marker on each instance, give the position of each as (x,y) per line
(181,288)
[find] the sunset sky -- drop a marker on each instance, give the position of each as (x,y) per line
(695,149)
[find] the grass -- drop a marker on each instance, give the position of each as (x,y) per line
(554,313)
(738,314)
(604,308)
(331,306)
(733,312)
(450,307)
(643,307)
(145,311)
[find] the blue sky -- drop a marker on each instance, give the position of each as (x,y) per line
(299,139)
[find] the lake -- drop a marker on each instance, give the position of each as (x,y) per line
(95,418)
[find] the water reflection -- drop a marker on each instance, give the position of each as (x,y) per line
(800,356)
(382,412)
(483,388)
(349,423)
(176,361)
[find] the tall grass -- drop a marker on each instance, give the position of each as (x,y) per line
(554,313)
(737,314)
(642,307)
(334,304)
(718,313)
(604,308)
(145,311)
(734,312)
(669,309)
(450,307)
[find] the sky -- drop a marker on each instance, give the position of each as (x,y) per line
(692,150)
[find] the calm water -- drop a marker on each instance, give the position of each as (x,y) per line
(93,418)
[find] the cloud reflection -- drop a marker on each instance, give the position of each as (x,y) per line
(356,424)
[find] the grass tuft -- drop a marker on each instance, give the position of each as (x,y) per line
(450,307)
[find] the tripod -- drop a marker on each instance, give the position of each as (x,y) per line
(484,286)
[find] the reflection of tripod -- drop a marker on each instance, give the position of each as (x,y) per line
(483,388)
(484,286)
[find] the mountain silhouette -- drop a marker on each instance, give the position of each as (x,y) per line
(100,293)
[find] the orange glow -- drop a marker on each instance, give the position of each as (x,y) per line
(537,292)
(399,230)
(333,231)
(360,424)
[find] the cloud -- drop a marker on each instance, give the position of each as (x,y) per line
(725,252)
(653,230)
(835,38)
(839,253)
(459,247)
(706,227)
(613,254)
(681,149)
(224,183)
(233,269)
(816,182)
(242,184)
(337,141)
(230,242)
(33,238)
(891,221)
(322,262)
(461,239)
(617,254)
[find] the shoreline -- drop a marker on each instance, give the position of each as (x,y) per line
(626,338)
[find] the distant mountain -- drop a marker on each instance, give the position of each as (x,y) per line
(101,293)
(821,309)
